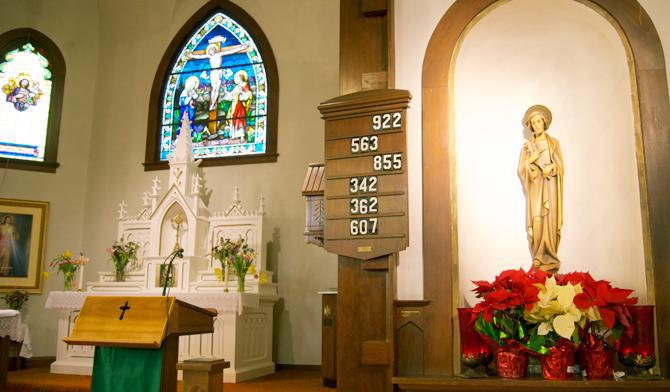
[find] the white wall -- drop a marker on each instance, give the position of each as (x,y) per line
(65,189)
(415,22)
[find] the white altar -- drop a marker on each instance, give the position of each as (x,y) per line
(243,329)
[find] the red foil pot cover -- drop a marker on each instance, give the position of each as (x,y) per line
(555,364)
(511,364)
(598,362)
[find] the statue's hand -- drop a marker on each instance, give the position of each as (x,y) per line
(533,156)
(546,172)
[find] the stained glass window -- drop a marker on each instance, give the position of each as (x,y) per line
(25,80)
(218,80)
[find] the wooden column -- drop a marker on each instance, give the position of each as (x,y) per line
(366,288)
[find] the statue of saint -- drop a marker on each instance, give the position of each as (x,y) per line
(541,173)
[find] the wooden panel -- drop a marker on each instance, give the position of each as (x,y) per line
(363,45)
(409,341)
(169,365)
(364,326)
(409,326)
(189,319)
(137,321)
(373,7)
(5,342)
(329,338)
(143,324)
(532,385)
(655,117)
(365,142)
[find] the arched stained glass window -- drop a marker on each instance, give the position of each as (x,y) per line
(218,78)
(31,74)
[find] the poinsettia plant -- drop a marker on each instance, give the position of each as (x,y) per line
(604,306)
(538,311)
(500,314)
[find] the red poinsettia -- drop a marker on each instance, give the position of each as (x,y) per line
(610,301)
(510,290)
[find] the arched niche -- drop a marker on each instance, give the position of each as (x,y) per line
(652,117)
(169,233)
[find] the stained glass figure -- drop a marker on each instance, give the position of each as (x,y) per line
(25,80)
(219,81)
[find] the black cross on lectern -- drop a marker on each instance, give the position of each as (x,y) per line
(123,310)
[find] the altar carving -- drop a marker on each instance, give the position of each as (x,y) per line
(177,218)
(541,173)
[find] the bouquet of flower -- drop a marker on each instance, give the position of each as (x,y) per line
(537,310)
(121,254)
(15,299)
(236,255)
(68,266)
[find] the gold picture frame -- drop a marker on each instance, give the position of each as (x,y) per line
(23,226)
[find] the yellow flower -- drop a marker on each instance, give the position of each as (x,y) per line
(263,278)
(555,309)
(67,254)
(219,274)
(252,269)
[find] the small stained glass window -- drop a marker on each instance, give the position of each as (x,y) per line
(218,80)
(25,79)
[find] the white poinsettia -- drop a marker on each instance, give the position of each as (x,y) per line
(555,309)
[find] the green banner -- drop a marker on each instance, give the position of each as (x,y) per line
(126,369)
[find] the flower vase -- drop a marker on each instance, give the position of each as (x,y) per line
(511,363)
(120,275)
(67,282)
(597,361)
(240,283)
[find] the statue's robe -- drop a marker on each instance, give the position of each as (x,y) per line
(544,201)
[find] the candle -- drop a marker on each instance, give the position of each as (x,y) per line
(81,278)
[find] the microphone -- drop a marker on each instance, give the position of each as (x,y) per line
(168,274)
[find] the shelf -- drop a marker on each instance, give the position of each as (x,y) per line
(412,384)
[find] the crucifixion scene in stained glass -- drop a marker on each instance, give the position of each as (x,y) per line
(24,114)
(219,82)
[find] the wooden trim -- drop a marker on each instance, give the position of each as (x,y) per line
(652,104)
(512,385)
(306,368)
(151,157)
(9,41)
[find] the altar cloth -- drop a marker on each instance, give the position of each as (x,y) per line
(231,302)
(11,325)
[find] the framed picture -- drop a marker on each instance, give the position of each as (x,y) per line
(23,225)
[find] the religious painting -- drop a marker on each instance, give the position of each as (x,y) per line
(22,235)
(218,81)
(25,80)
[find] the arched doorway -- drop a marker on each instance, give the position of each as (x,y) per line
(652,112)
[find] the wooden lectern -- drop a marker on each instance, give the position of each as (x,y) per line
(141,322)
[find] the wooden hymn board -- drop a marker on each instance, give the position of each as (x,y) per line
(366,173)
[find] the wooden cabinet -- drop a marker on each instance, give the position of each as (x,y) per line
(329,338)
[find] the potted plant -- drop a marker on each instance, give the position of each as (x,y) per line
(606,310)
(16,299)
(500,318)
